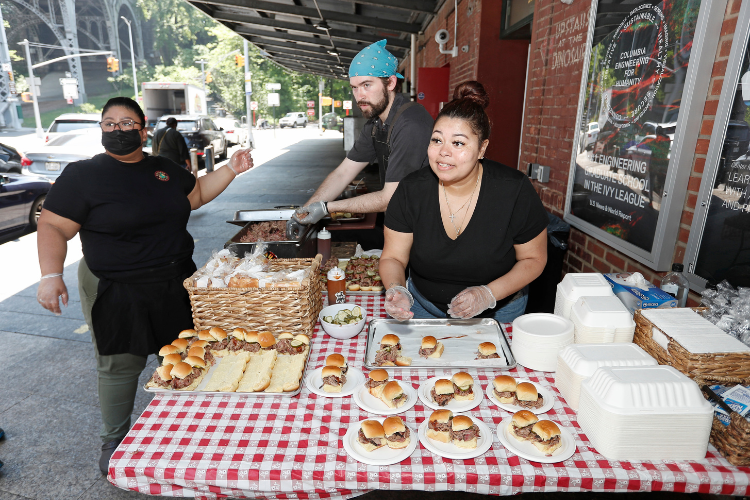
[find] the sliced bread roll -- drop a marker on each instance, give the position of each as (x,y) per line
(258,372)
(227,375)
(286,373)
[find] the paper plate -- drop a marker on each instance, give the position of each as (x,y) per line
(381,456)
(549,399)
(525,449)
(453,405)
(371,404)
(449,450)
(354,378)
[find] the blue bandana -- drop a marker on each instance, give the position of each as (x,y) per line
(374,60)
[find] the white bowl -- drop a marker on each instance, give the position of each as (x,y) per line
(341,331)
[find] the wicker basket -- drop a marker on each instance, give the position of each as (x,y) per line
(733,440)
(732,365)
(262,309)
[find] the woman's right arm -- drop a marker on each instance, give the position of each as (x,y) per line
(52,234)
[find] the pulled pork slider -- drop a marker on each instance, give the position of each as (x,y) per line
(521,424)
(463,386)
(333,379)
(162,377)
(545,435)
(443,392)
(185,376)
(527,396)
(251,342)
(464,433)
(371,435)
(236,340)
(222,341)
(188,334)
(487,350)
(505,389)
(300,344)
(266,341)
(200,352)
(169,349)
(396,433)
(431,348)
(198,343)
(284,343)
(337,359)
(171,359)
(376,382)
(390,349)
(439,426)
(205,335)
(393,395)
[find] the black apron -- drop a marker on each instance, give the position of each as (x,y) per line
(381,141)
(138,312)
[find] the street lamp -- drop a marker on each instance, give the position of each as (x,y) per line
(132,57)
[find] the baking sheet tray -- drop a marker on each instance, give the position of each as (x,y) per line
(461,338)
(197,391)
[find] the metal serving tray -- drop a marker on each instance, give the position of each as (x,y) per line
(305,246)
(242,217)
(261,394)
(461,338)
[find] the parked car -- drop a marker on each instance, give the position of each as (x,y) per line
(71,121)
(294,120)
(199,132)
(51,159)
(235,132)
(21,201)
(333,121)
(589,137)
(11,160)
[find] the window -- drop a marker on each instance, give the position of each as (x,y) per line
(517,18)
(66,126)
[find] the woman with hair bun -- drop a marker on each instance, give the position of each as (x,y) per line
(471,230)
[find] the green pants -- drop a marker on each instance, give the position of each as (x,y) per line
(117,374)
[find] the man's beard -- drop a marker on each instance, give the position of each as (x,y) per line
(376,108)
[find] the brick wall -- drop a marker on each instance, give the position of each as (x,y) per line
(549,126)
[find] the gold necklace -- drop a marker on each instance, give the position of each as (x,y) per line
(453,214)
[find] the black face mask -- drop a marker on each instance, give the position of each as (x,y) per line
(122,143)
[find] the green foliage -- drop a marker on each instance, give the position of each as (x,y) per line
(88,107)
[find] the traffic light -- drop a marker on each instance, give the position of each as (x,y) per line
(116,65)
(209,78)
(239,60)
(26,96)
(113,64)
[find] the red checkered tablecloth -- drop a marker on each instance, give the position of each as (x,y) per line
(260,447)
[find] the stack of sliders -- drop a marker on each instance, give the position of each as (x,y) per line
(544,434)
(459,388)
(524,394)
(444,427)
(389,353)
(392,433)
(388,391)
(178,374)
(334,373)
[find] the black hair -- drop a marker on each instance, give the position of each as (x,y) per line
(469,102)
(126,102)
(171,121)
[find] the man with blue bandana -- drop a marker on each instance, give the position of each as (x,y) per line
(396,135)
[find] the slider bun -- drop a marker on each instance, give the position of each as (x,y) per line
(186,334)
(392,390)
(285,335)
(439,351)
(461,423)
(444,386)
(204,335)
(180,344)
(504,383)
(218,333)
(302,338)
(198,352)
(354,287)
(442,436)
(169,349)
(372,429)
(199,343)
(251,337)
(487,348)
(378,375)
(403,361)
(239,333)
(181,370)
(336,360)
(266,339)
(331,370)
(171,359)
(523,418)
(465,444)
(195,361)
(165,372)
(463,380)
(392,425)
(441,416)
(429,342)
(525,391)
(389,339)
(546,429)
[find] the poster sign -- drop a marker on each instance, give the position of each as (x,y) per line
(347,104)
(632,100)
(273,99)
(310,112)
(248,82)
(273,86)
(254,105)
(310,104)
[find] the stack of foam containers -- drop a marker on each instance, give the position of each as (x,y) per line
(538,338)
(600,320)
(577,362)
(576,285)
(645,413)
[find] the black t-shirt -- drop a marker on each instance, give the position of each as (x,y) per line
(409,140)
(508,212)
(132,215)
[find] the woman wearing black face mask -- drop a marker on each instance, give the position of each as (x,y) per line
(131,211)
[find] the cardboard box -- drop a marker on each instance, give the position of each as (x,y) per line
(636,292)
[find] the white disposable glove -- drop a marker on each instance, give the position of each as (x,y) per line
(471,302)
(398,302)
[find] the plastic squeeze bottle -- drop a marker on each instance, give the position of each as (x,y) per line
(336,286)
(324,244)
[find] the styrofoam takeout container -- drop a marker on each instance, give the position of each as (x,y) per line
(576,285)
(599,320)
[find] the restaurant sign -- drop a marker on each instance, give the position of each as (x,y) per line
(634,99)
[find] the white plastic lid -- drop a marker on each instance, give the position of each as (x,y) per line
(637,390)
(575,285)
(335,274)
(542,327)
(602,312)
(324,234)
(584,359)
